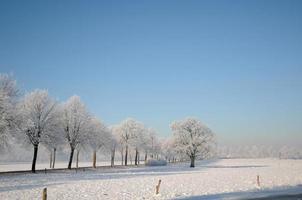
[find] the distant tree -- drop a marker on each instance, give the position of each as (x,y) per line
(146,145)
(128,131)
(138,141)
(169,150)
(192,137)
(153,141)
(75,119)
(55,138)
(115,143)
(8,100)
(99,136)
(38,113)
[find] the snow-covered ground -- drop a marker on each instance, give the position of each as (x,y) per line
(229,178)
(22,166)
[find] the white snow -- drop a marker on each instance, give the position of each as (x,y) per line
(23,166)
(221,179)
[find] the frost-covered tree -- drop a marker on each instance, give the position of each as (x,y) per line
(99,136)
(146,143)
(76,121)
(151,143)
(115,143)
(128,130)
(191,137)
(8,100)
(38,119)
(138,141)
(168,149)
(54,139)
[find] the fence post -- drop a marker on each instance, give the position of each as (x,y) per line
(44,194)
(157,187)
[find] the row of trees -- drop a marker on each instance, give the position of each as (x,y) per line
(259,151)
(38,119)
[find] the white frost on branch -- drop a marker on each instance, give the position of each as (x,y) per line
(8,100)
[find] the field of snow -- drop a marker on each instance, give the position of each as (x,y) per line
(216,179)
(22,166)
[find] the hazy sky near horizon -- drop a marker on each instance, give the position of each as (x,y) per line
(236,65)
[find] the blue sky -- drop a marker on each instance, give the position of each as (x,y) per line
(236,65)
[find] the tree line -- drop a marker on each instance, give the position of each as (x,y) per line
(38,119)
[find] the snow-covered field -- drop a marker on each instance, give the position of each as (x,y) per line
(229,178)
(23,166)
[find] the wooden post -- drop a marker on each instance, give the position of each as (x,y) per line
(44,194)
(157,187)
(258,180)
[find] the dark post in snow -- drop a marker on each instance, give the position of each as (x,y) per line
(157,187)
(44,194)
(258,180)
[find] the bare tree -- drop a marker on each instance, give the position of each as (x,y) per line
(192,137)
(75,123)
(38,118)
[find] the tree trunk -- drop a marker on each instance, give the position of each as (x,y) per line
(33,167)
(136,155)
(192,161)
(71,157)
(122,154)
(146,157)
(112,156)
(130,156)
(50,159)
(78,153)
(94,159)
(54,158)
(126,155)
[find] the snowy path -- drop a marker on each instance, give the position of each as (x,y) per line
(208,180)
